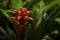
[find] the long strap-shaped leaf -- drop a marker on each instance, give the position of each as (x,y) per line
(40,14)
(7,16)
(13,22)
(4,32)
(46,8)
(51,4)
(11,33)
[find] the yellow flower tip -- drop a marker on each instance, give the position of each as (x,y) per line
(13,17)
(28,11)
(31,18)
(23,9)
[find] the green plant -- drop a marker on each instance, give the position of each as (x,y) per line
(46,15)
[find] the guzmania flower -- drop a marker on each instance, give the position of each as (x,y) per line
(22,15)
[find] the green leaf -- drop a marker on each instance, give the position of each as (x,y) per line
(40,14)
(28,33)
(58,20)
(4,32)
(13,22)
(8,17)
(50,5)
(11,33)
(17,4)
(3,4)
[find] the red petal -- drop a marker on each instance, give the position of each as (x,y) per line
(31,18)
(26,17)
(19,17)
(19,13)
(16,10)
(25,13)
(29,11)
(23,9)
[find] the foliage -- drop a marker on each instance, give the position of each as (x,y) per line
(46,24)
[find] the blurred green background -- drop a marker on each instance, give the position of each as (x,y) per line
(46,25)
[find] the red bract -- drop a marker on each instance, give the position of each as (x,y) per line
(18,12)
(22,15)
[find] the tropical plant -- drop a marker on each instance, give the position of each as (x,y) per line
(29,19)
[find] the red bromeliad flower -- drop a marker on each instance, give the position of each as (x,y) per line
(22,15)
